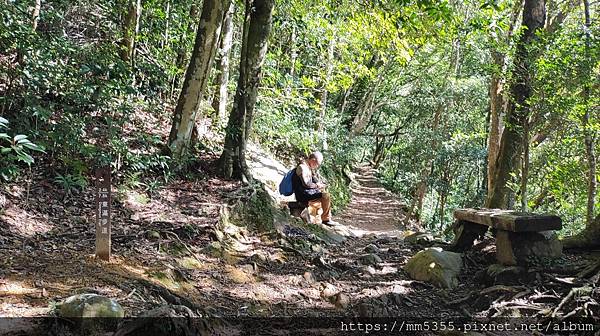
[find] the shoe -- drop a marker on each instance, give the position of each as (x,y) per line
(330,222)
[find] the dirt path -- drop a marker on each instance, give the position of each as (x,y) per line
(373,209)
(169,241)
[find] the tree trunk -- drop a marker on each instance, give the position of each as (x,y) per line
(498,103)
(165,41)
(36,14)
(588,131)
(324,92)
(196,76)
(496,112)
(257,27)
(525,165)
(219,103)
(293,57)
(181,60)
(131,27)
(518,112)
(366,108)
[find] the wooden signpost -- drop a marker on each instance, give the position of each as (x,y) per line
(103,200)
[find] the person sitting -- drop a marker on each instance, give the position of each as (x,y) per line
(309,187)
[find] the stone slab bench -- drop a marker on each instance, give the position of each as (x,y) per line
(519,235)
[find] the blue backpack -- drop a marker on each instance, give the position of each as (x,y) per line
(285,187)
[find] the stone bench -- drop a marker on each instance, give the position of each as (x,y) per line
(519,235)
(296,209)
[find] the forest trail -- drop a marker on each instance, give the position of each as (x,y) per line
(373,209)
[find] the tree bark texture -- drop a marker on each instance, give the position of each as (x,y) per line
(36,13)
(257,27)
(131,27)
(196,76)
(219,103)
(588,132)
(534,15)
(498,102)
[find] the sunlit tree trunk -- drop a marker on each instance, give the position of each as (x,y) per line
(181,60)
(219,103)
(588,131)
(534,15)
(131,27)
(165,41)
(496,112)
(36,13)
(257,27)
(498,102)
(525,165)
(293,57)
(325,92)
(196,76)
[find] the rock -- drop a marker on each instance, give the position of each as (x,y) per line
(436,266)
(259,257)
(309,277)
(152,235)
(328,291)
(239,275)
(335,237)
(370,259)
(370,270)
(497,274)
(372,248)
(90,305)
(341,301)
(317,248)
(420,238)
(214,249)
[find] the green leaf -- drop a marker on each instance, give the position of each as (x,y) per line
(19,137)
(33,146)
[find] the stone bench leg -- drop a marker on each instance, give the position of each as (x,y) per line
(504,248)
(465,234)
(514,248)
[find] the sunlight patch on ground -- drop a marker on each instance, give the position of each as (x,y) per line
(23,223)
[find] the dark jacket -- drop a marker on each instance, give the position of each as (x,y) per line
(304,183)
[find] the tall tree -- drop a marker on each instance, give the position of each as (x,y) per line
(587,129)
(219,102)
(131,27)
(36,13)
(257,27)
(518,111)
(496,93)
(197,75)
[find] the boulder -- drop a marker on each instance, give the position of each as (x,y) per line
(90,305)
(436,266)
(420,238)
(329,290)
(372,248)
(370,259)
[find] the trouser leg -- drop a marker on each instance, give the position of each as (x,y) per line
(326,205)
